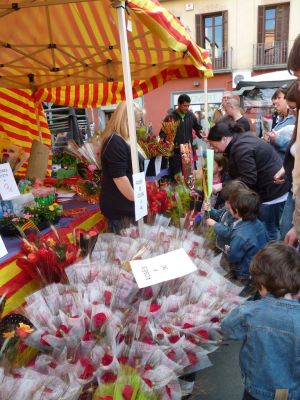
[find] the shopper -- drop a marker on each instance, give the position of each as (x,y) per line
(281,134)
(269,328)
(187,123)
(117,197)
(248,234)
(255,163)
(293,101)
(220,112)
(222,220)
(232,108)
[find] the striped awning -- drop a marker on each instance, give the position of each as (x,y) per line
(23,120)
(62,43)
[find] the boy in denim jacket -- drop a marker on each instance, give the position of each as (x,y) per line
(222,220)
(270,327)
(248,234)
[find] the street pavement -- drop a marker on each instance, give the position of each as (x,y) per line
(222,381)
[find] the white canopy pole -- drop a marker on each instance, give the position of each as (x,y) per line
(120,5)
(206,106)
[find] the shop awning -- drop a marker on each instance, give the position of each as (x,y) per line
(67,52)
(61,43)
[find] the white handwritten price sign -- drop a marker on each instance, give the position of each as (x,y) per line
(162,268)
(8,186)
(140,195)
(3,250)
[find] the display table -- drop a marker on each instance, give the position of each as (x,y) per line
(14,282)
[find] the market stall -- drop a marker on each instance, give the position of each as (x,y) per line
(159,50)
(257,91)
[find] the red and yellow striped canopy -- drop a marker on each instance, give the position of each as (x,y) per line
(67,52)
(58,43)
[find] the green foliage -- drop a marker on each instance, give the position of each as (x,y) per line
(65,159)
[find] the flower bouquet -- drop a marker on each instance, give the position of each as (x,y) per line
(169,127)
(154,146)
(88,169)
(14,328)
(101,330)
(46,257)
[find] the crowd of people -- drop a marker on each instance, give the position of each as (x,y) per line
(260,192)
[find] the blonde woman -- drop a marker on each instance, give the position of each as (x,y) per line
(117,198)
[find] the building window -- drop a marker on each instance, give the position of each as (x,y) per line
(273,34)
(211,34)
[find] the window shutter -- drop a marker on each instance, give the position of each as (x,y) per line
(199,30)
(225,28)
(260,25)
(282,22)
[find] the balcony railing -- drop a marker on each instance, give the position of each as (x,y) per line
(271,55)
(221,58)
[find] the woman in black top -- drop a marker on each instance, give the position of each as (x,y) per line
(117,197)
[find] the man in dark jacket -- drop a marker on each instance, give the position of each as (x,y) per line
(255,163)
(187,122)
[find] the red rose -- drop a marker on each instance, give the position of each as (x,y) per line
(154,307)
(148,292)
(188,326)
(107,359)
(172,355)
(88,368)
(174,338)
(168,391)
(147,340)
(52,365)
(193,359)
(88,336)
(215,320)
(142,320)
(62,328)
(108,377)
(123,360)
(43,341)
(99,320)
(148,382)
(203,333)
(148,367)
(166,329)
(127,392)
(107,297)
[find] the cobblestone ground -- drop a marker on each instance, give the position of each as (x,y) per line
(222,381)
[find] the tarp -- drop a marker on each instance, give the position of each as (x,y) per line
(18,119)
(270,80)
(67,52)
(57,45)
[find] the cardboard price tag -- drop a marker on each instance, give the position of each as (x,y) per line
(162,268)
(140,195)
(3,250)
(8,186)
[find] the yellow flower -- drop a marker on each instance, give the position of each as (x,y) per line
(55,204)
(9,334)
(50,242)
(51,208)
(23,330)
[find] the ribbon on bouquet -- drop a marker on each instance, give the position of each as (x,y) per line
(208,173)
(187,162)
